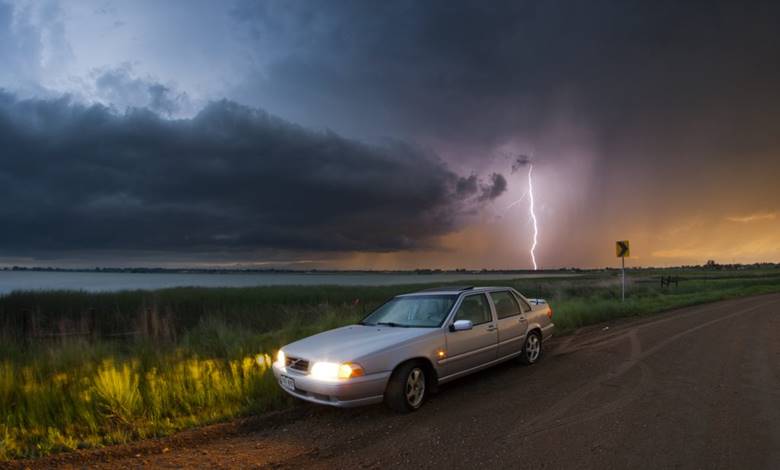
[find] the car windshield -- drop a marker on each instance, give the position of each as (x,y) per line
(426,311)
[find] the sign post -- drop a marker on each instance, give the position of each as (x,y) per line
(622,250)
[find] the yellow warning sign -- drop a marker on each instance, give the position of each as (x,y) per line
(622,249)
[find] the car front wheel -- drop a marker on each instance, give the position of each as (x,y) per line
(407,389)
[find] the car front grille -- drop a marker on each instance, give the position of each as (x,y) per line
(297,363)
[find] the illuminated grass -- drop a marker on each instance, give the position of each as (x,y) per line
(203,355)
(113,402)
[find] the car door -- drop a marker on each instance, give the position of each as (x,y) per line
(511,321)
(471,348)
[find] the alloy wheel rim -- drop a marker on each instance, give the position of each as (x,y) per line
(532,348)
(415,387)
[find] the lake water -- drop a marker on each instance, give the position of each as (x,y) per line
(96,282)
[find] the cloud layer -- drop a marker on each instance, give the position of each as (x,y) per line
(119,88)
(75,177)
(639,116)
(479,72)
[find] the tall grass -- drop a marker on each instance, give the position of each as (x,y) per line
(600,305)
(83,370)
(116,401)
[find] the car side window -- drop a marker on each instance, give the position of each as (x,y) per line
(474,308)
(523,304)
(506,304)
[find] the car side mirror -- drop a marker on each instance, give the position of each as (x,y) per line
(461,325)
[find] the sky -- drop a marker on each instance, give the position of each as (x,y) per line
(368,134)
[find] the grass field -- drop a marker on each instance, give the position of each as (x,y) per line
(82,369)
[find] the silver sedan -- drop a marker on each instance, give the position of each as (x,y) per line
(412,343)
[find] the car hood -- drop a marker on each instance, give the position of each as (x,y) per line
(350,343)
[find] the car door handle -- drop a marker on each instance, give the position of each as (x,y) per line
(491,328)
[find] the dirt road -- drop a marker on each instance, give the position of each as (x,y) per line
(691,388)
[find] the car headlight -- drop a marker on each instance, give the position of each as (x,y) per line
(280,358)
(332,370)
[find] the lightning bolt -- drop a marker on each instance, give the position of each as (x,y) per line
(514,203)
(533,214)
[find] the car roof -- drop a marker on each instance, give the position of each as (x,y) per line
(455,290)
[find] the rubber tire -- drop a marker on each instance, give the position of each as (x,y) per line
(524,357)
(395,399)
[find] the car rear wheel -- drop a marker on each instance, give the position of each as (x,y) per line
(407,388)
(532,348)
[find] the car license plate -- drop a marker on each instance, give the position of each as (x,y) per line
(287,382)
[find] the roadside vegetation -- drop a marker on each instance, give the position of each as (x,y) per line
(81,370)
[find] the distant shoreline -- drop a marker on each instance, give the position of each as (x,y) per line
(566,270)
(119,280)
(291,271)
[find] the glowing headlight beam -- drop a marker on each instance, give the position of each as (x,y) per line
(533,214)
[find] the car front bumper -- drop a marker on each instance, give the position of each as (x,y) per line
(345,393)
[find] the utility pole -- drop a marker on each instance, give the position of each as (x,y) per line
(622,251)
(623,275)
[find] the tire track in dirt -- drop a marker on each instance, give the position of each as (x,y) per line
(551,418)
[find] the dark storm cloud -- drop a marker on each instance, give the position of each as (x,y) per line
(466,186)
(121,88)
(478,72)
(520,162)
(74,177)
(495,188)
